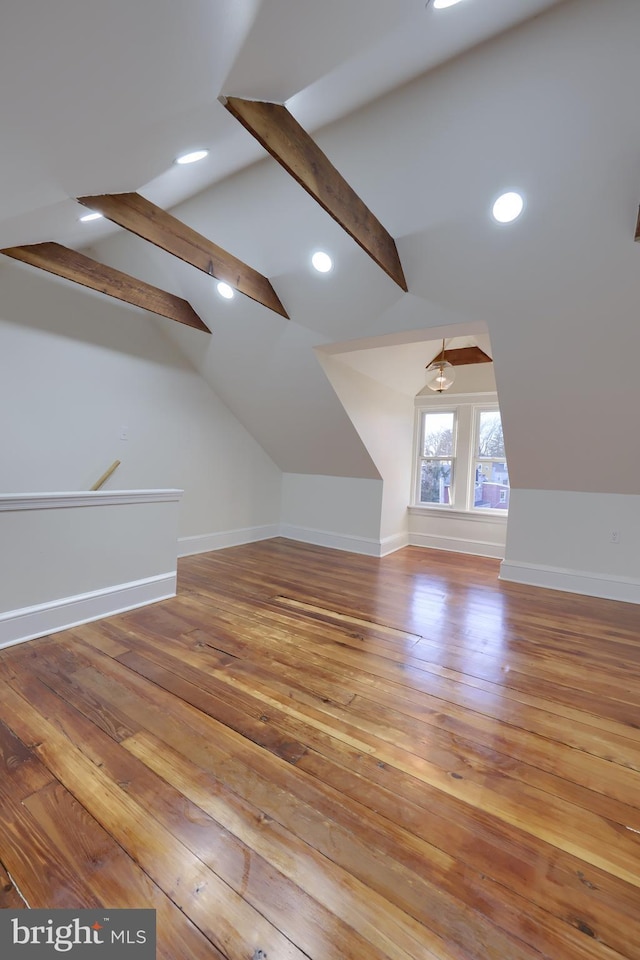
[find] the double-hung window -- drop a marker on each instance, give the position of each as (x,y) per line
(437,459)
(461,463)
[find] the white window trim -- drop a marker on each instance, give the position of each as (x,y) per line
(465,407)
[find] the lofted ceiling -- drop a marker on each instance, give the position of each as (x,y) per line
(427,115)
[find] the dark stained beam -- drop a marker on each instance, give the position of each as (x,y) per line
(74,266)
(146,220)
(637,236)
(283,137)
(465,355)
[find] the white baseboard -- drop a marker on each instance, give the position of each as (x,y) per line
(206,542)
(391,544)
(478,548)
(188,546)
(27,623)
(336,541)
(571,581)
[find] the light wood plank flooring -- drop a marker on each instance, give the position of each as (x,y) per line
(318,755)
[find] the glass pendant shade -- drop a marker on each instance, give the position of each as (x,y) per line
(440,375)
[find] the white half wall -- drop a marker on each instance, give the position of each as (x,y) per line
(338,512)
(68,558)
(565,541)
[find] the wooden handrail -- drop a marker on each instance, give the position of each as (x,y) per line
(105,476)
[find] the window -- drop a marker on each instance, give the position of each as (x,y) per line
(461,463)
(437,457)
(491,484)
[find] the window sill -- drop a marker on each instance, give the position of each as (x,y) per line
(424,510)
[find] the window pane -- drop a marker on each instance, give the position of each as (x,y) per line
(490,439)
(438,435)
(435,481)
(491,486)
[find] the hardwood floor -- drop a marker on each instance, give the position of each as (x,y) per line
(315,754)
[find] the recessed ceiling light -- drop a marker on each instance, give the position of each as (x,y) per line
(90,216)
(442,4)
(225,290)
(508,207)
(322,261)
(192,157)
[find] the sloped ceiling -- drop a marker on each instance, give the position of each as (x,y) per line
(100,98)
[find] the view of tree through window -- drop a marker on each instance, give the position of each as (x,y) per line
(490,439)
(437,458)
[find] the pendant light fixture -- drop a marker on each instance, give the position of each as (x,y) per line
(440,374)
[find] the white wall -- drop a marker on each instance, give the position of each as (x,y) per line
(340,512)
(259,363)
(76,367)
(383,418)
(563,540)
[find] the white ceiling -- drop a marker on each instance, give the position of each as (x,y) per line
(101,97)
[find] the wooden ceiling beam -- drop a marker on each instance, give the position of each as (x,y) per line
(74,266)
(465,355)
(637,236)
(288,143)
(146,220)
